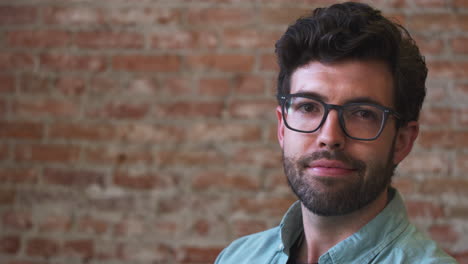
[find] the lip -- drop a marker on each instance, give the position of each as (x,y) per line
(330,168)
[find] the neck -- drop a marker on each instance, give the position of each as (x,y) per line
(323,232)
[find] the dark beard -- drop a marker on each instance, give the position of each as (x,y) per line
(325,200)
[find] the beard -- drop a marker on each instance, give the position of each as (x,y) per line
(325,196)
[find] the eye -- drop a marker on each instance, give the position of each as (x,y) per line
(308,107)
(365,114)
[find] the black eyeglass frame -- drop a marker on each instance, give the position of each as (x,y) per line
(283,98)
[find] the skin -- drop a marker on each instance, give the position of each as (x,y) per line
(339,83)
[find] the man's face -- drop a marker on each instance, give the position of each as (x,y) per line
(329,172)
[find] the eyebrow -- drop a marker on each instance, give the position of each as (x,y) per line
(361,99)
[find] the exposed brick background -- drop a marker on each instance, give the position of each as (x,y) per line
(144,131)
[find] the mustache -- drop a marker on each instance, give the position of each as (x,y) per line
(304,161)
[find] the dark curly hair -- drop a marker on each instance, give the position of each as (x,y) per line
(356,31)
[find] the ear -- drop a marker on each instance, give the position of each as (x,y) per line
(280,129)
(405,139)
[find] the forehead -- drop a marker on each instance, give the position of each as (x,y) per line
(344,81)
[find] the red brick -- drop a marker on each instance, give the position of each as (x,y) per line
(17,220)
(176,86)
(438,22)
(461,164)
(250,38)
(34,83)
(460,93)
(130,227)
(423,3)
(45,107)
(219,132)
(104,85)
(461,117)
(404,185)
(446,185)
(253,109)
(21,130)
(16,61)
(4,151)
(436,93)
(442,139)
(458,211)
(183,39)
(140,181)
(13,15)
(42,247)
(282,16)
(146,252)
(9,245)
(423,209)
(220,16)
(72,86)
(18,175)
(144,133)
(189,158)
(443,233)
(46,153)
(119,110)
(461,3)
(93,225)
(249,85)
(72,15)
(143,86)
(214,86)
(243,227)
(448,69)
(69,62)
(429,44)
(268,63)
(261,157)
(220,180)
(55,223)
(111,155)
(221,62)
(38,38)
(8,84)
(146,63)
(271,206)
(198,254)
(136,16)
(82,131)
(189,110)
(7,197)
(73,178)
(436,116)
(25,262)
(79,248)
(460,45)
(426,162)
(107,40)
(169,228)
(461,257)
(3,108)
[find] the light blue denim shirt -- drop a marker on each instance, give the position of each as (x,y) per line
(389,238)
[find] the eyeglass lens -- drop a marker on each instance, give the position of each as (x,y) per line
(359,120)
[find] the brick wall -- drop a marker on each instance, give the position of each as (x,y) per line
(144,131)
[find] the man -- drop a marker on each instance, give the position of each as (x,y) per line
(350,88)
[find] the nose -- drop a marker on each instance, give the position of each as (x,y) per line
(331,135)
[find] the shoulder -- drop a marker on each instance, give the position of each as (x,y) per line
(254,247)
(415,247)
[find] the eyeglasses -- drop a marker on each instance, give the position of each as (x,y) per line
(360,121)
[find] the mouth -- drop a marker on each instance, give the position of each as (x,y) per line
(330,168)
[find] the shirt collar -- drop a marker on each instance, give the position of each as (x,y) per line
(365,244)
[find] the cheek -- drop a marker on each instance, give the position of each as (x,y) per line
(297,144)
